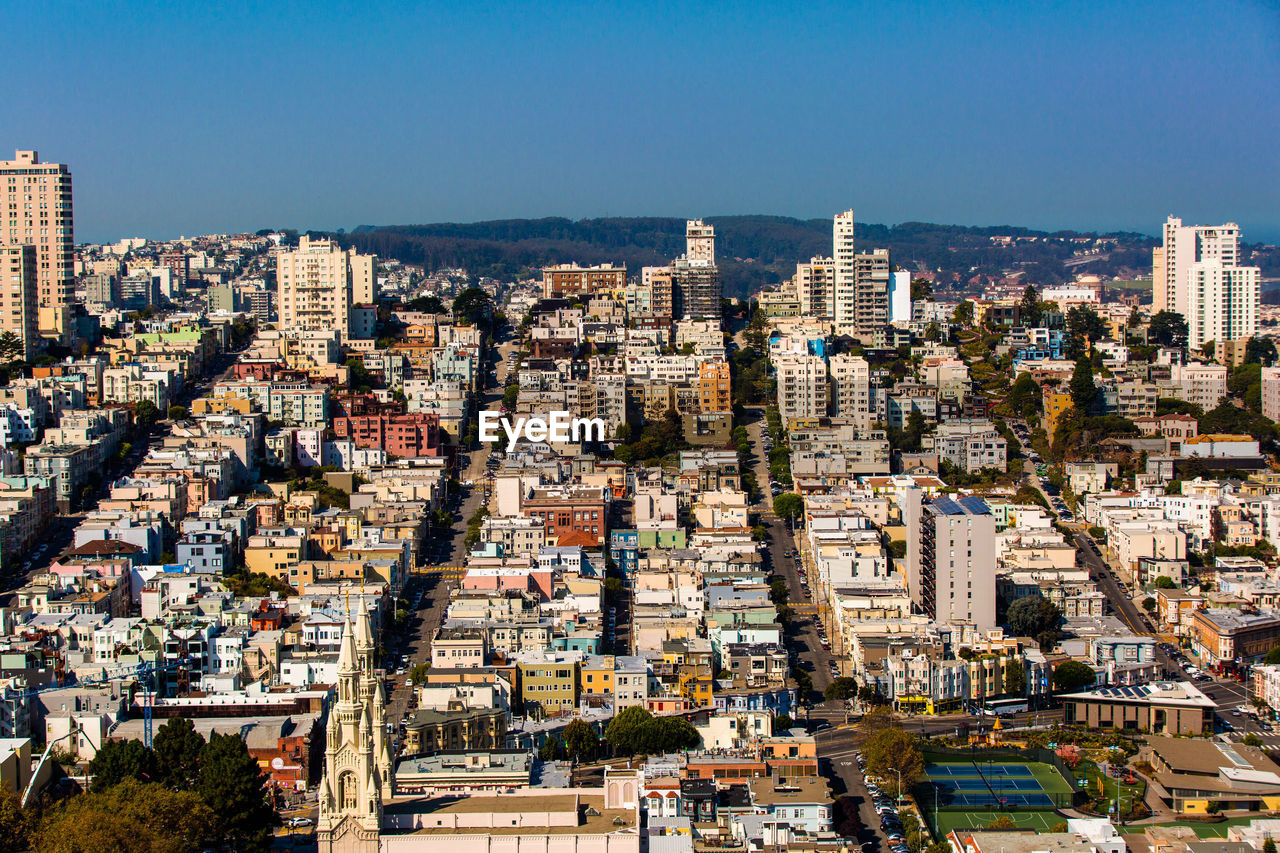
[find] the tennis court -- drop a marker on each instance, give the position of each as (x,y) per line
(979,785)
(970,768)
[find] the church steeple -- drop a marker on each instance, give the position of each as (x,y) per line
(357,766)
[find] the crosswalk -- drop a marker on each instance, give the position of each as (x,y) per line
(448,571)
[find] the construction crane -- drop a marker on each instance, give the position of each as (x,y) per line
(144,673)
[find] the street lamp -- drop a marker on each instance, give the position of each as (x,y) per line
(899,772)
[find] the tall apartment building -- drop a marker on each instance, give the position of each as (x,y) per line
(862,282)
(871,277)
(851,388)
(714,387)
(815,288)
(951,560)
(37,210)
(19,300)
(700,242)
(844,297)
(652,296)
(1271,393)
(695,277)
(318,283)
(565,280)
(802,387)
(1197,273)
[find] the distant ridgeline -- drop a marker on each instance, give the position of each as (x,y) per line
(751,251)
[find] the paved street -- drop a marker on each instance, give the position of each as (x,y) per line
(803,641)
(429,591)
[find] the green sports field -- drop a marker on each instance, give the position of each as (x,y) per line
(944,776)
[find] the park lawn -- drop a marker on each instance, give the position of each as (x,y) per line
(1213,830)
(1130,284)
(1040,821)
(1112,788)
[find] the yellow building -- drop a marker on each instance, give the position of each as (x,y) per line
(274,555)
(597,675)
(690,663)
(549,685)
(1056,404)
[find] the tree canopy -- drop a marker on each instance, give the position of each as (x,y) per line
(1033,615)
(177,746)
(787,505)
(581,741)
(1168,329)
(234,788)
(892,754)
(1083,389)
(129,817)
(1029,311)
(635,730)
(473,305)
(117,760)
(1260,351)
(1071,676)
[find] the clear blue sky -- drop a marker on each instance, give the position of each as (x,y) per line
(191,118)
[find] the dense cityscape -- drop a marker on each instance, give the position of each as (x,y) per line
(307,548)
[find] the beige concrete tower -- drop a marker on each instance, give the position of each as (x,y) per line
(35,203)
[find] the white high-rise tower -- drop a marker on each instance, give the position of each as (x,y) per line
(1197,273)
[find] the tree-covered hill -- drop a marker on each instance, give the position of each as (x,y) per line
(751,250)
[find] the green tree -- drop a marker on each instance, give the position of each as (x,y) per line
(16,824)
(1165,582)
(1003,822)
(234,788)
(1256,351)
(963,315)
(473,305)
(1032,615)
(1168,329)
(146,413)
(1171,406)
(1149,604)
(892,754)
(1029,310)
(1229,418)
(131,817)
(581,741)
(1246,383)
(921,290)
(11,348)
(788,505)
(1015,678)
(178,413)
(625,731)
(1071,676)
(1083,391)
(1083,326)
(1273,657)
(669,734)
(418,673)
(177,746)
(782,722)
(511,394)
(118,760)
(840,689)
(1024,397)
